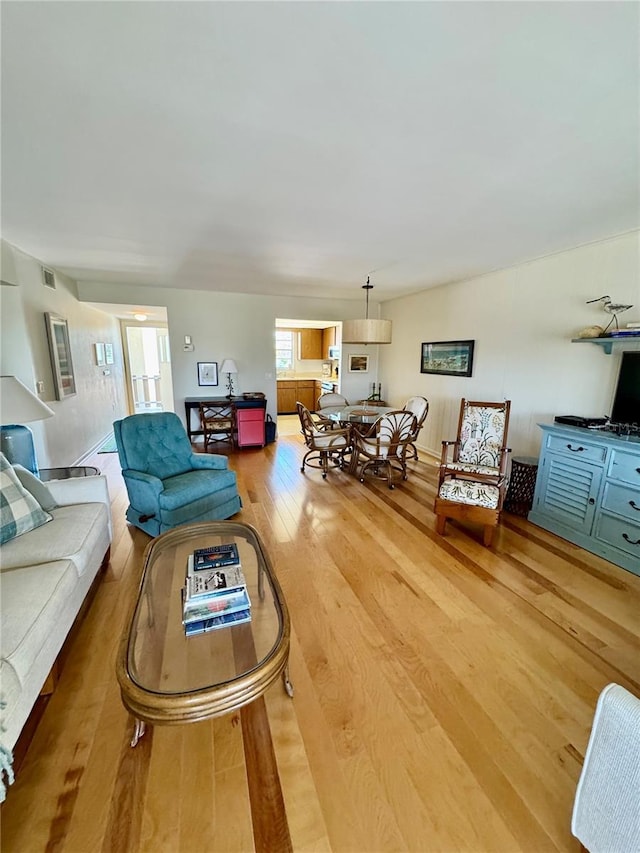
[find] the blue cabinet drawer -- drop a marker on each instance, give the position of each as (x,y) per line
(625,466)
(623,535)
(576,449)
(622,500)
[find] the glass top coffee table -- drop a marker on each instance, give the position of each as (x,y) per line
(168,678)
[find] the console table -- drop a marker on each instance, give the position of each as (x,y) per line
(249,415)
(588,491)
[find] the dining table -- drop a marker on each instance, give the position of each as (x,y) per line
(360,414)
(359,418)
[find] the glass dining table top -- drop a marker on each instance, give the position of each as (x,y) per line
(360,414)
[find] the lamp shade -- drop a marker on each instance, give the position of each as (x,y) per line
(19,405)
(228,366)
(366,331)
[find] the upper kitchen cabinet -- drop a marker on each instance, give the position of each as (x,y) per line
(310,344)
(329,339)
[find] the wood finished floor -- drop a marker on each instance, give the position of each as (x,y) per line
(444,692)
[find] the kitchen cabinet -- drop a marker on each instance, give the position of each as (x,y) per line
(291,391)
(287,396)
(328,340)
(310,343)
(588,491)
(306,393)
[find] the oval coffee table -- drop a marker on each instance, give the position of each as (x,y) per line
(168,678)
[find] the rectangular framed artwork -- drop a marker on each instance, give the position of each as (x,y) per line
(64,380)
(449,358)
(108,354)
(207,373)
(100,354)
(358,364)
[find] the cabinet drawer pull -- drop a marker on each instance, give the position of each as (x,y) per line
(630,541)
(575,449)
(634,505)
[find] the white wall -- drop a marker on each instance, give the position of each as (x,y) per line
(81,421)
(522,320)
(232,325)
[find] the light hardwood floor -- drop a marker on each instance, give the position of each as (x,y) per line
(444,692)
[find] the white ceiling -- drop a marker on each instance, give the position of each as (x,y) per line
(293,148)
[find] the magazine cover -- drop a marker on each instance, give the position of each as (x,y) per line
(219,581)
(216,556)
(216,606)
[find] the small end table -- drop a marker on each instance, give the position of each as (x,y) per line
(519,499)
(47,474)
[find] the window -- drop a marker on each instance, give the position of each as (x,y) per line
(284,350)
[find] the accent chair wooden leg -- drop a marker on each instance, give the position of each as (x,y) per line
(487,537)
(441,523)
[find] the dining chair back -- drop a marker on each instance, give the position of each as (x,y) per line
(332,400)
(324,445)
(383,449)
(474,469)
(420,408)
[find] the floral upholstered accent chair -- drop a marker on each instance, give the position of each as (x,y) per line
(474,469)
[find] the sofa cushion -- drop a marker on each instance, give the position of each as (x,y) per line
(76,532)
(20,512)
(34,599)
(38,489)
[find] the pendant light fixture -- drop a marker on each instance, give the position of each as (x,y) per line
(366,331)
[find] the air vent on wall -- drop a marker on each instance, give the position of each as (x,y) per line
(48,278)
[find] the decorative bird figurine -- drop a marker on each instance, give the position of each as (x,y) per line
(610,307)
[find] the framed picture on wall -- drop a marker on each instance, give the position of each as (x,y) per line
(358,364)
(64,380)
(108,354)
(207,373)
(449,358)
(100,356)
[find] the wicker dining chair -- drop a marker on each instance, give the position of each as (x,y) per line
(384,447)
(325,446)
(420,408)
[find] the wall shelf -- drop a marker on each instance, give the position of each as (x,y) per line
(607,343)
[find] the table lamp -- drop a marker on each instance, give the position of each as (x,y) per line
(18,403)
(229,367)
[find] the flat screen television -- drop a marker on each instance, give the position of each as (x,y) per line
(626,401)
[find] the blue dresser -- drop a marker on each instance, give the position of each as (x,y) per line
(588,491)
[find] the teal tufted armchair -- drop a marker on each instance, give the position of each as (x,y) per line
(167,483)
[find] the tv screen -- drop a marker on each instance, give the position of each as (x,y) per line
(626,402)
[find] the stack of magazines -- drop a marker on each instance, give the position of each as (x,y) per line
(215,593)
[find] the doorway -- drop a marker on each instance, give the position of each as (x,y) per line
(147,363)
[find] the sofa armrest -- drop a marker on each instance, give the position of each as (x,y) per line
(82,490)
(206,460)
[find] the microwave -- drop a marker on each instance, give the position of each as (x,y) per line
(334,352)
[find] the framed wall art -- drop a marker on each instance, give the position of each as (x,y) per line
(108,354)
(449,358)
(64,380)
(100,356)
(207,373)
(358,364)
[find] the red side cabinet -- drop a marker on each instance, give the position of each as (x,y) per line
(250,426)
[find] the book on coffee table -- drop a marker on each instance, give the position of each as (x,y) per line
(207,608)
(201,626)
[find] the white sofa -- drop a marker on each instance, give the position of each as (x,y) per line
(45,575)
